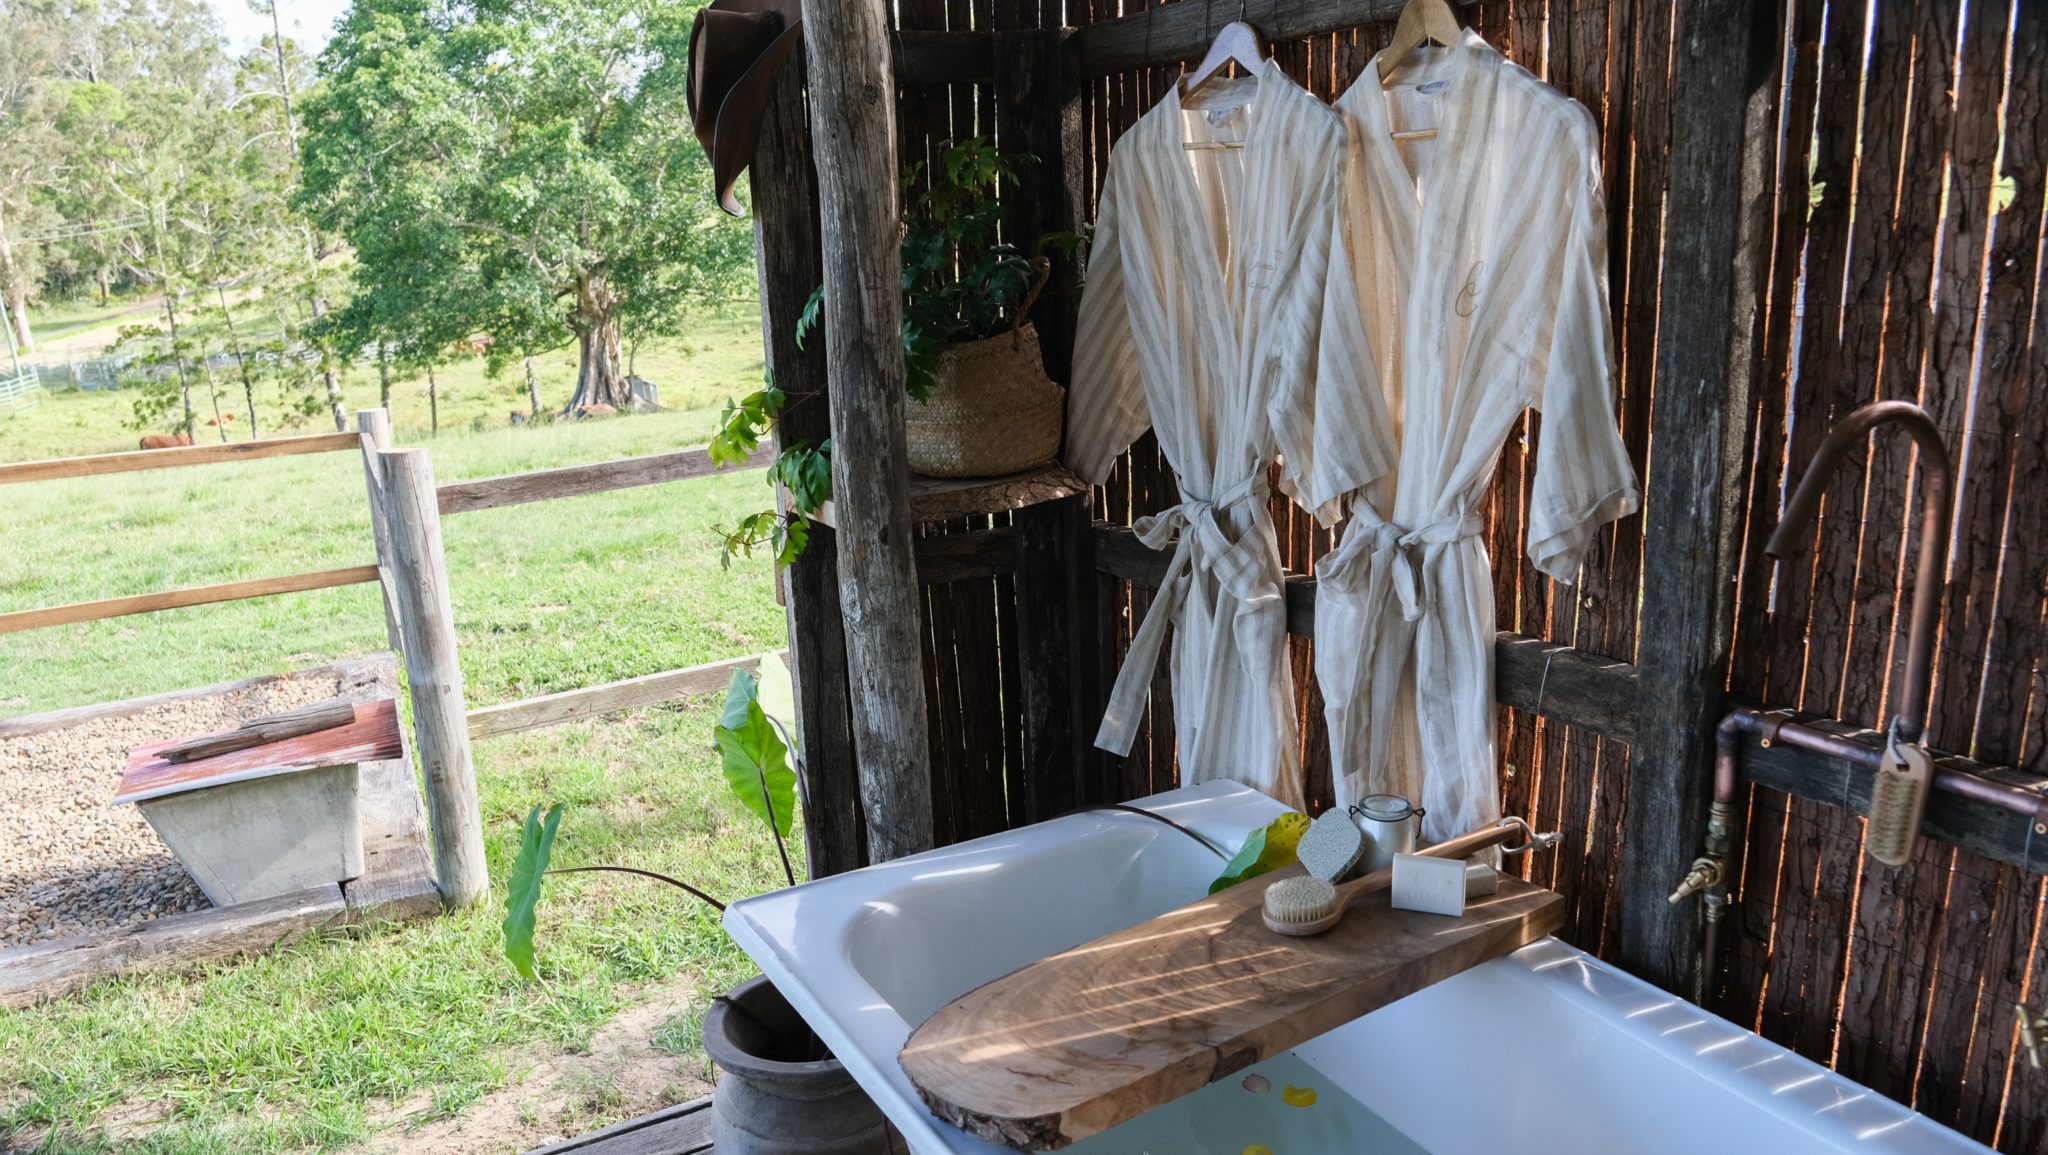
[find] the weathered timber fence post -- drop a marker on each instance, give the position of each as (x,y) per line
(374,426)
(1722,127)
(785,201)
(412,516)
(853,124)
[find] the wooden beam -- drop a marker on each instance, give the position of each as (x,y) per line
(1176,32)
(959,557)
(1978,827)
(179,599)
(434,674)
(578,480)
(48,970)
(592,701)
(1722,125)
(104,463)
(944,57)
(785,200)
(1558,682)
(853,126)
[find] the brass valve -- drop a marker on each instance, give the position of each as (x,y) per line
(1705,872)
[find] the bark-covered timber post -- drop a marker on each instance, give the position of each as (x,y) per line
(853,125)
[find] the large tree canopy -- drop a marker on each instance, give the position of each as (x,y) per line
(521,168)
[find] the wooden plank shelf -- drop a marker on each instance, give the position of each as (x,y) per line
(945,498)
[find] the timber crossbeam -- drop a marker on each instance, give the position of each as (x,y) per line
(1582,690)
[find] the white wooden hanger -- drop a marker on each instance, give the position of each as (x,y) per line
(1238,43)
(1421,21)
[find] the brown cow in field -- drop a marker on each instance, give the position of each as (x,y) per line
(165,440)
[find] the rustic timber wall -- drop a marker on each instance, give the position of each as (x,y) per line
(1900,269)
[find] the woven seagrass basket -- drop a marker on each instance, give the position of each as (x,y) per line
(992,412)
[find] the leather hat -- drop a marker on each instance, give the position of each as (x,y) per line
(736,49)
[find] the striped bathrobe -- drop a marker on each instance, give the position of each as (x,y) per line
(1202,319)
(1478,270)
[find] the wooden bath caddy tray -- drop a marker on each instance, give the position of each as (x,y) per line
(1079,1042)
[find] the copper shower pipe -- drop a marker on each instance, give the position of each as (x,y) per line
(1710,873)
(1936,479)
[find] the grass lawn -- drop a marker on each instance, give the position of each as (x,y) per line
(328,1043)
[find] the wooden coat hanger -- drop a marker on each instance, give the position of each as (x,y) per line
(1238,43)
(1421,22)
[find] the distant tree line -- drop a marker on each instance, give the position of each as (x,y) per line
(507,176)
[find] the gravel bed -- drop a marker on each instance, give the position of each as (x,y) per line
(70,863)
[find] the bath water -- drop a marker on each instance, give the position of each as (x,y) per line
(1282,1106)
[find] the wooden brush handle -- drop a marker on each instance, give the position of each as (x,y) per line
(1463,846)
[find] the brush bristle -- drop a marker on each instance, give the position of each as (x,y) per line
(1304,898)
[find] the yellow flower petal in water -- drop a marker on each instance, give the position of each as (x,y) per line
(1295,1096)
(1258,1149)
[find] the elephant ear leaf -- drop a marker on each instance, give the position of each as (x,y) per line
(1270,847)
(756,761)
(536,843)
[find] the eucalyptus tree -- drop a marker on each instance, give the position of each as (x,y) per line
(519,168)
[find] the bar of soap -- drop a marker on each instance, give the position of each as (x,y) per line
(1430,885)
(1480,879)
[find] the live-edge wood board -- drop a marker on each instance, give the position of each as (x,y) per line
(1079,1042)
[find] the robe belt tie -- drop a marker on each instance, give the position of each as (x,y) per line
(1243,567)
(1377,558)
(1376,551)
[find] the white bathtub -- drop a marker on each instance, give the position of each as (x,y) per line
(1579,1059)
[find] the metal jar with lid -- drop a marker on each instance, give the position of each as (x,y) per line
(1389,823)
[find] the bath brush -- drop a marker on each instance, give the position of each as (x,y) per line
(1303,904)
(1332,846)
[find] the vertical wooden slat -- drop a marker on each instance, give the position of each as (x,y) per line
(1721,100)
(783,187)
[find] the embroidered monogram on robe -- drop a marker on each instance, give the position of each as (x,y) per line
(1479,274)
(1201,319)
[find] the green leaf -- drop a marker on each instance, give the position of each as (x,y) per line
(777,693)
(756,762)
(522,894)
(2004,191)
(1270,847)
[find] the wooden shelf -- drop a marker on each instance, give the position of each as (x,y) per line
(944,498)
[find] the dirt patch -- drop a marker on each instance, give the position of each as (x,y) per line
(621,1076)
(74,864)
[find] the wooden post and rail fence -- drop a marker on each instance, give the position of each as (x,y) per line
(406,508)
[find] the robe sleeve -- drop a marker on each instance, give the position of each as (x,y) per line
(1330,418)
(1106,408)
(1583,476)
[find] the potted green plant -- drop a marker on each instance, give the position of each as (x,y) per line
(970,354)
(783,1091)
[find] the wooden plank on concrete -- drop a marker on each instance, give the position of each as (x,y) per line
(47,970)
(591,701)
(578,480)
(372,736)
(684,1129)
(179,599)
(104,463)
